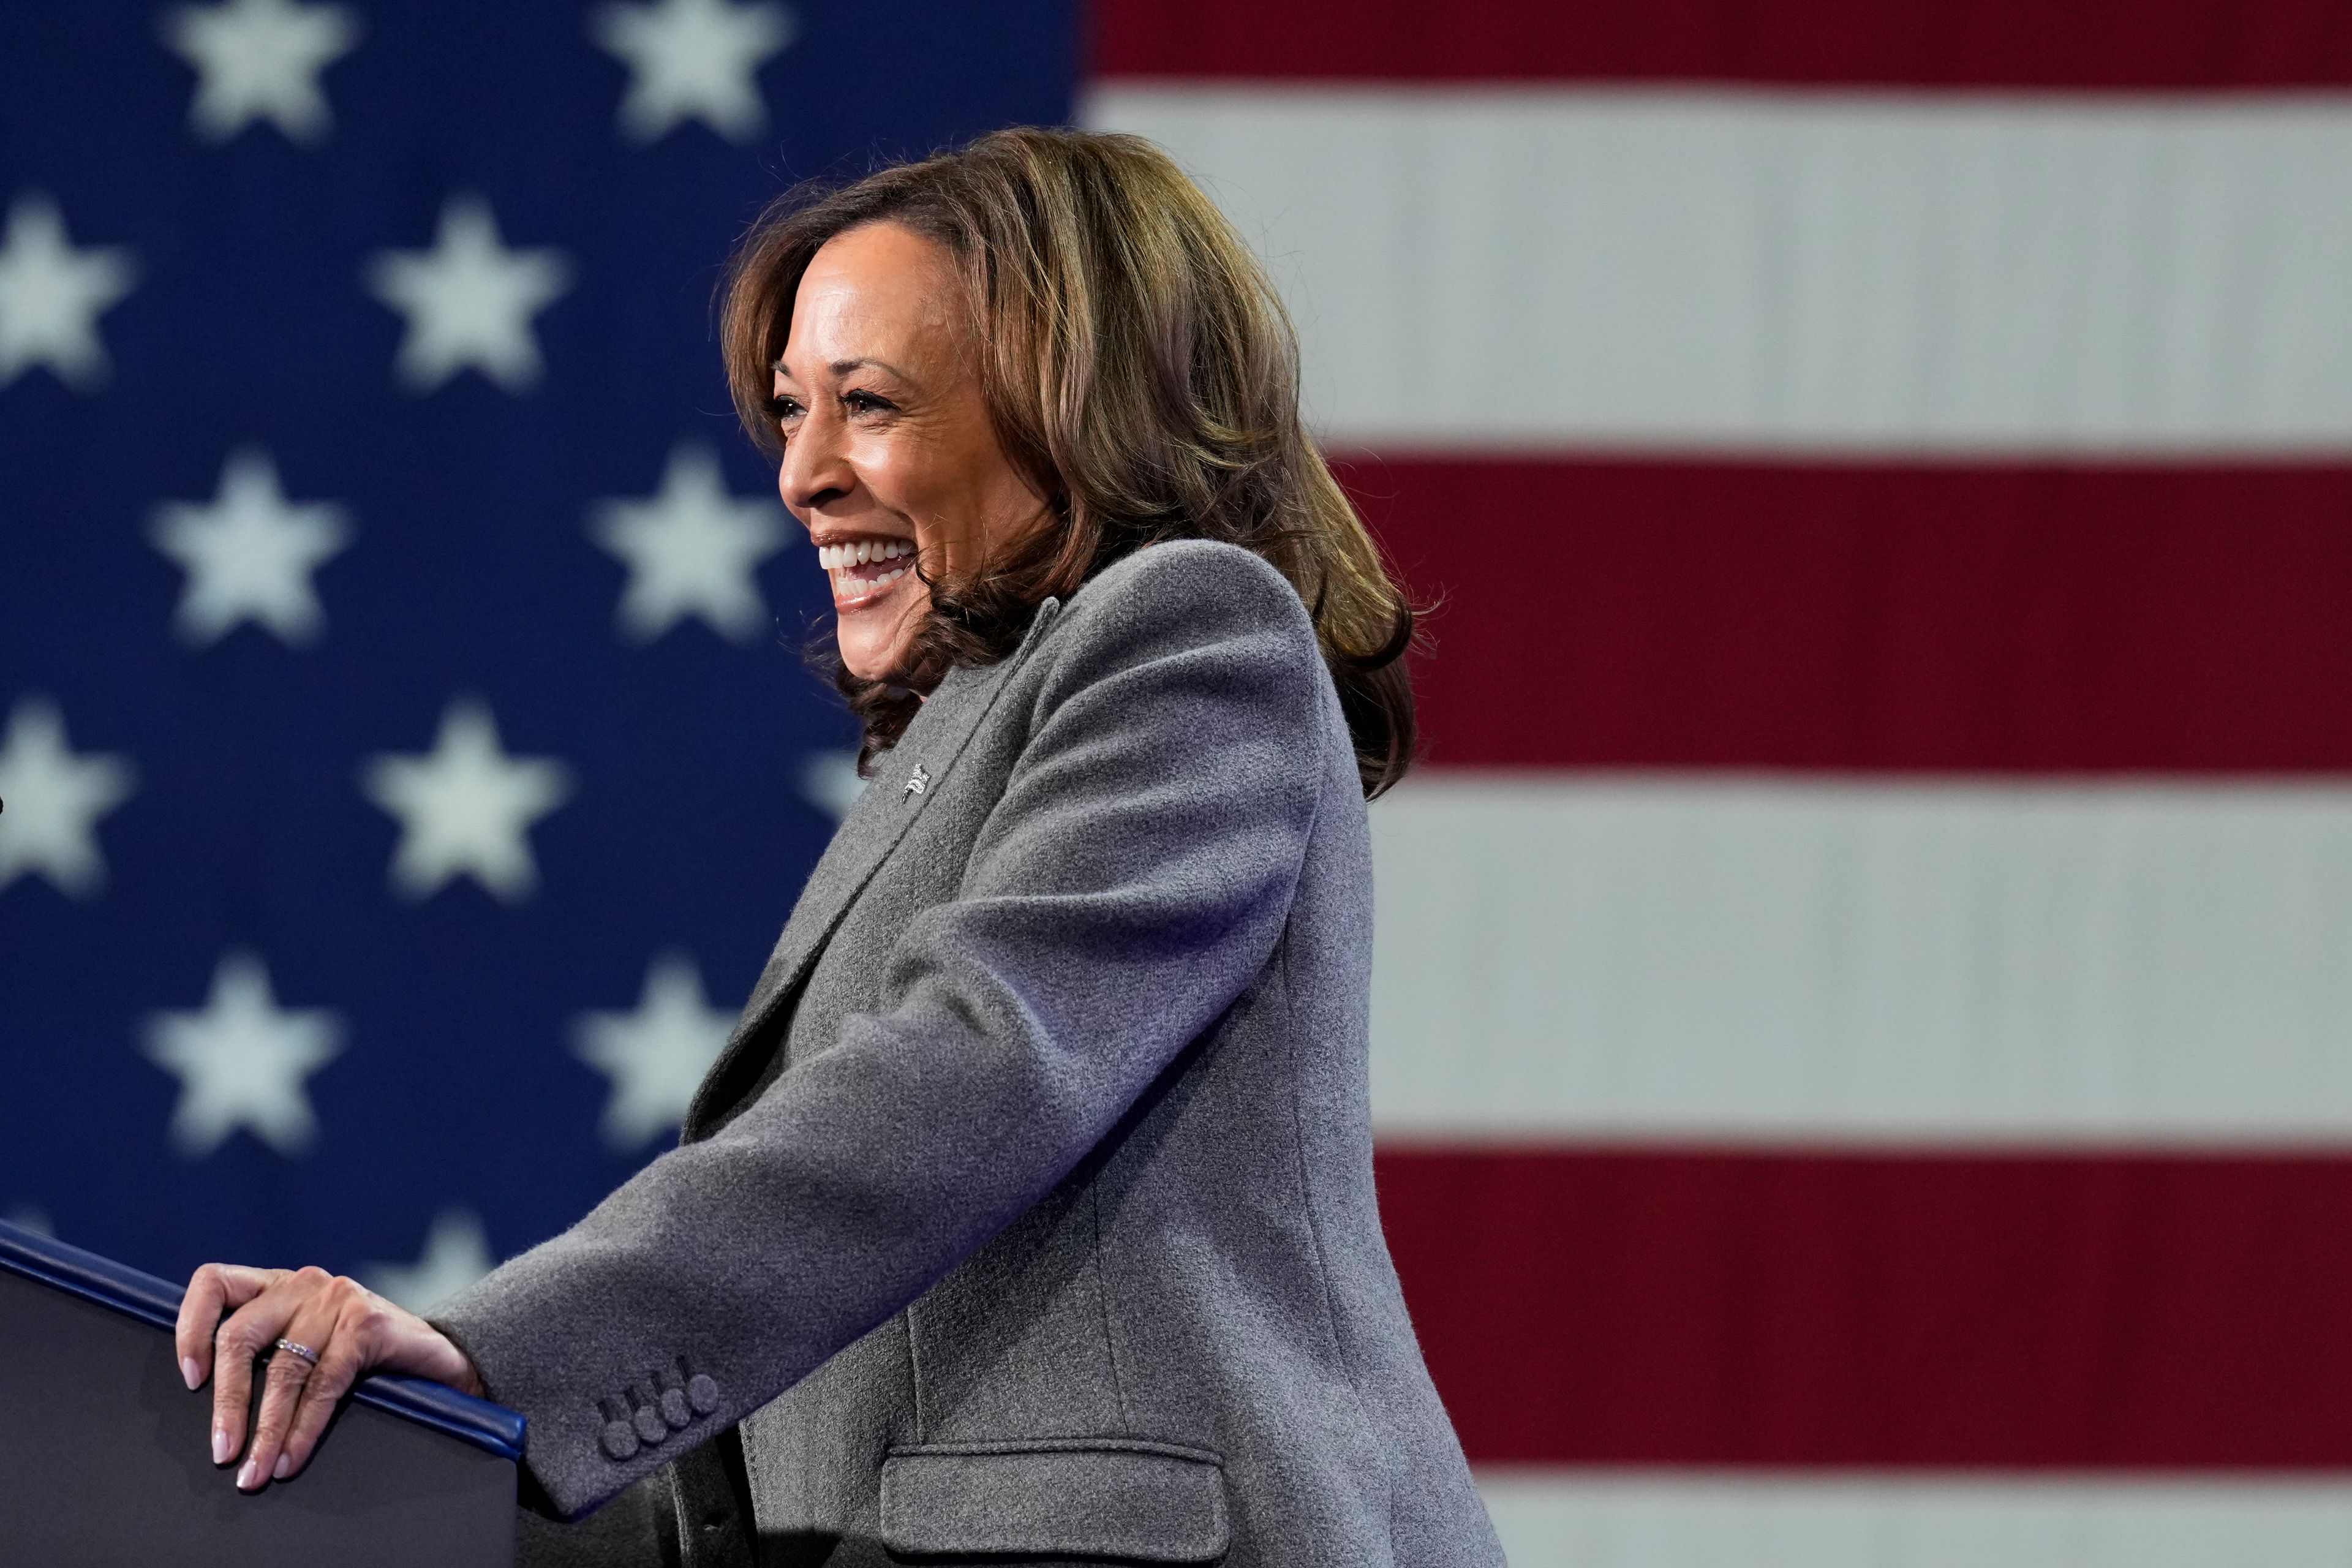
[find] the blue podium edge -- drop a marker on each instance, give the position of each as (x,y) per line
(157,1301)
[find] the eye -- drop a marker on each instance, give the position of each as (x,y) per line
(866,402)
(784,410)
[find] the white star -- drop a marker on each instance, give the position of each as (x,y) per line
(656,1056)
(466,806)
(690,551)
(250,553)
(241,1062)
(260,59)
(52,295)
(692,59)
(50,801)
(456,1253)
(469,301)
(831,782)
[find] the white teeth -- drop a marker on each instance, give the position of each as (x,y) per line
(834,557)
(840,557)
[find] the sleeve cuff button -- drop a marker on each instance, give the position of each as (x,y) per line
(674,1409)
(620,1441)
(702,1393)
(650,1427)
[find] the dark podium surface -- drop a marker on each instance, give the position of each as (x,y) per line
(105,1455)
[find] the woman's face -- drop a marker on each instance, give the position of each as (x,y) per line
(889,456)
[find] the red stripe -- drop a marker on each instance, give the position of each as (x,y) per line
(1993,1312)
(2106,44)
(1877,617)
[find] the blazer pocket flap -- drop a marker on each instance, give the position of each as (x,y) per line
(1143,1502)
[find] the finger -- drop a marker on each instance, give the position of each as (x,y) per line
(281,1391)
(335,1324)
(213,1288)
(249,1330)
(340,1366)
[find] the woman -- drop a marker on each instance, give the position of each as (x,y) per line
(1028,1214)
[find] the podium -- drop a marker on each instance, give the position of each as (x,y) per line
(105,1455)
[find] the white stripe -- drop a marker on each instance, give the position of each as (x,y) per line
(1506,270)
(1596,958)
(1567,1521)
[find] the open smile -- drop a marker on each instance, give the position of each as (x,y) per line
(866,570)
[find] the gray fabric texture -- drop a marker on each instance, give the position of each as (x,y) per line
(637,1528)
(1080,1497)
(1029,1211)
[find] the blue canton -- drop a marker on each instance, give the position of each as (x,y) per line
(407,752)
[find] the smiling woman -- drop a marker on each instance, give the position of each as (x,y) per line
(1027,1216)
(1029,358)
(888,444)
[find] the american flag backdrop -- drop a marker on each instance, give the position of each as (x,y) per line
(1863,1024)
(1862,1043)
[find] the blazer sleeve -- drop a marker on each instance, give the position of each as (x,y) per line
(1130,883)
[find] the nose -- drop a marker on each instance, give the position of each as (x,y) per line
(816,470)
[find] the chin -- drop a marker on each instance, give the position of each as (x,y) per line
(874,637)
(868,654)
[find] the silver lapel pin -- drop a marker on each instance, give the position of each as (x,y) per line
(917,782)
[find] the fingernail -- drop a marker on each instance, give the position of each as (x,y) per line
(249,1476)
(191,1371)
(284,1467)
(220,1450)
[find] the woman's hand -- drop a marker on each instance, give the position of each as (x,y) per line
(352,1329)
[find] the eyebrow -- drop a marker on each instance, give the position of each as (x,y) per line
(844,366)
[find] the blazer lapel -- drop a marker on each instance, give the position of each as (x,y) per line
(904,779)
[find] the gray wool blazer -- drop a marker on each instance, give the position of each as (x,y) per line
(1029,1211)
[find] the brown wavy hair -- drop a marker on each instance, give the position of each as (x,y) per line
(1140,374)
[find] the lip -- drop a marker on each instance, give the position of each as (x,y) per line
(851,589)
(848,598)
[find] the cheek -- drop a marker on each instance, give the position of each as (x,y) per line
(952,483)
(904,476)
(931,486)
